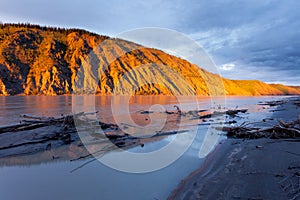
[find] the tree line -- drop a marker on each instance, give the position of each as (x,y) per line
(46,28)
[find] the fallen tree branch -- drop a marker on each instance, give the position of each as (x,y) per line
(282,130)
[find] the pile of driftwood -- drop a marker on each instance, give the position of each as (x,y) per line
(36,133)
(281,130)
(272,103)
(297,103)
(42,132)
(230,112)
(201,114)
(30,122)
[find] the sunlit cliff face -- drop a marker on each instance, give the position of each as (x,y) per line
(50,61)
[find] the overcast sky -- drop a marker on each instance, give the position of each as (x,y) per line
(247,39)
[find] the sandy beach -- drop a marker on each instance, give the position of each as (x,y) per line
(248,169)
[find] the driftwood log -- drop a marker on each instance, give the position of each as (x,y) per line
(230,112)
(281,130)
(272,103)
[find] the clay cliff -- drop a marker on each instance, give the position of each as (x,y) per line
(38,60)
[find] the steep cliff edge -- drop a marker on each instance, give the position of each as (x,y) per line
(37,60)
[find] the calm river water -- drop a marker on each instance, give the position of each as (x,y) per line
(31,177)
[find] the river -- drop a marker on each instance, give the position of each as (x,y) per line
(31,177)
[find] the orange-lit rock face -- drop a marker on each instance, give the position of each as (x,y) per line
(49,61)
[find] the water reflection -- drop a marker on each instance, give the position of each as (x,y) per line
(49,177)
(12,107)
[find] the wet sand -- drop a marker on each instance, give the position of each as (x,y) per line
(248,169)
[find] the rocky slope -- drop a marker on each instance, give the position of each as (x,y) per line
(37,60)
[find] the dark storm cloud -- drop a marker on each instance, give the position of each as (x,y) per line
(262,41)
(205,15)
(258,39)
